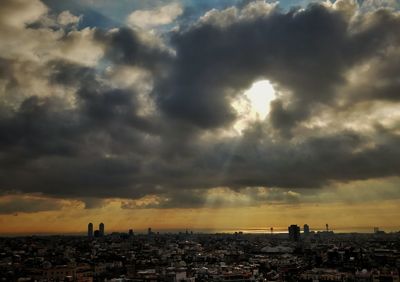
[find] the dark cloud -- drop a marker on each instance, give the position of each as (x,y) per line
(304,52)
(98,103)
(16,204)
(90,137)
(124,46)
(311,163)
(69,74)
(291,49)
(38,128)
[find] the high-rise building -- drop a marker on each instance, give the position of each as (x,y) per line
(149,232)
(294,232)
(90,230)
(101,229)
(130,232)
(306,229)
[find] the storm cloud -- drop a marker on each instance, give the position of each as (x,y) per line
(93,113)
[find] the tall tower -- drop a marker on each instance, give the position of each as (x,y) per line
(101,229)
(294,232)
(90,230)
(306,229)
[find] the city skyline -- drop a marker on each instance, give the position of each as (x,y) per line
(191,257)
(206,115)
(271,230)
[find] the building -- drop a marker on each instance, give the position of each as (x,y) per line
(90,230)
(306,229)
(58,273)
(149,232)
(101,229)
(84,273)
(294,232)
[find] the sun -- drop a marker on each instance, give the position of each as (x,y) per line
(260,95)
(254,104)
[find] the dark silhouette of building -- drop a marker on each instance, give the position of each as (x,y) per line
(96,233)
(101,229)
(294,232)
(306,229)
(130,233)
(90,230)
(149,232)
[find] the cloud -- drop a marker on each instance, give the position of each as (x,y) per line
(15,14)
(93,114)
(368,5)
(207,49)
(28,204)
(151,18)
(290,49)
(65,18)
(216,198)
(125,46)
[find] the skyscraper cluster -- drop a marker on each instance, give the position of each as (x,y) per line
(294,232)
(96,233)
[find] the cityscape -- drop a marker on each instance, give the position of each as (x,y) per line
(301,254)
(199,140)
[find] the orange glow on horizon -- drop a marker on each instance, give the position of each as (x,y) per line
(75,220)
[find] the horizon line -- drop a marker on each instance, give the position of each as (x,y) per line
(255,230)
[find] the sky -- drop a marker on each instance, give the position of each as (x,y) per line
(206,115)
